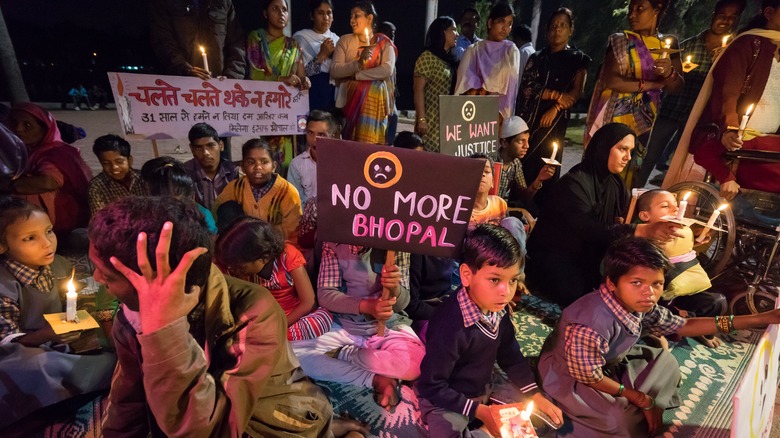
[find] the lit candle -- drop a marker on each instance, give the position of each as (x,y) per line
(525,415)
(710,223)
(683,206)
(743,122)
(725,41)
(368,39)
(205,58)
(555,151)
(688,59)
(667,45)
(70,300)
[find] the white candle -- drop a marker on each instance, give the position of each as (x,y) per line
(368,39)
(743,122)
(667,45)
(205,58)
(683,206)
(710,222)
(555,151)
(688,60)
(725,41)
(70,301)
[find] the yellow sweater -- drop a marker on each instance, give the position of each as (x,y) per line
(281,206)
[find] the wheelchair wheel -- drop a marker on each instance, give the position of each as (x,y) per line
(703,200)
(762,301)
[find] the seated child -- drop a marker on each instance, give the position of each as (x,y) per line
(253,250)
(468,334)
(35,373)
(118,178)
(166,176)
(262,192)
(604,382)
(686,283)
(350,285)
(408,140)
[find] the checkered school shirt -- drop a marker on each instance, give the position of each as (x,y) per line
(330,273)
(10,313)
(472,314)
(511,172)
(104,190)
(678,106)
(262,191)
(585,349)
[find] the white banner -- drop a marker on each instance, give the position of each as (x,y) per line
(163,107)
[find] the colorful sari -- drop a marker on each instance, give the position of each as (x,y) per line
(268,61)
(637,110)
(369,102)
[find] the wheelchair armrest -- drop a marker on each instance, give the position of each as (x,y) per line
(755,155)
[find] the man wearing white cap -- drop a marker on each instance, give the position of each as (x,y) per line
(513,146)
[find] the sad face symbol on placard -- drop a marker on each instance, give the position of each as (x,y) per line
(382,169)
(468,111)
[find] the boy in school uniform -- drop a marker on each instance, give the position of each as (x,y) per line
(468,334)
(118,178)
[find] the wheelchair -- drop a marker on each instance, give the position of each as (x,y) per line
(742,261)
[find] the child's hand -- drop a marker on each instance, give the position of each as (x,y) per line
(546,173)
(391,279)
(486,417)
(161,295)
(380,309)
(543,404)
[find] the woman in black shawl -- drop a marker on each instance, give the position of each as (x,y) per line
(583,216)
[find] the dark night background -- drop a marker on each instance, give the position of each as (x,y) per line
(55,40)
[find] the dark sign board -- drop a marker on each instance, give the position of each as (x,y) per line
(393,198)
(469,125)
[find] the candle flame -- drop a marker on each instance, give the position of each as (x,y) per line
(71,286)
(685,198)
(668,43)
(202,50)
(750,109)
(526,413)
(688,59)
(723,206)
(726,40)
(368,41)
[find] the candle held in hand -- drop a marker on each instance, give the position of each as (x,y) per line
(70,301)
(744,121)
(667,45)
(555,151)
(713,217)
(368,38)
(725,41)
(683,206)
(205,58)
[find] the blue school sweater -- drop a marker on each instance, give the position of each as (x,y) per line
(459,360)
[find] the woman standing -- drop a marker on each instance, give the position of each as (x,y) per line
(317,45)
(433,77)
(633,76)
(552,83)
(491,66)
(363,66)
(273,56)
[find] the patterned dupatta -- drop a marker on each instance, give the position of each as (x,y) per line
(270,61)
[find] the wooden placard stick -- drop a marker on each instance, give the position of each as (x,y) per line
(154,148)
(631,206)
(389,261)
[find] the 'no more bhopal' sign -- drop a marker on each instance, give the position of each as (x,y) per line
(395,199)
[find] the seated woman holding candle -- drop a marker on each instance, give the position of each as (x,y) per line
(274,57)
(35,370)
(363,67)
(746,76)
(582,217)
(634,74)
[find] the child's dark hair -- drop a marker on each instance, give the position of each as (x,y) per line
(248,239)
(630,252)
(407,140)
(111,143)
(645,200)
(482,156)
(255,143)
(166,176)
(13,209)
(115,226)
(202,130)
(491,245)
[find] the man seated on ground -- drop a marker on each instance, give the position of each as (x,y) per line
(204,354)
(303,169)
(209,172)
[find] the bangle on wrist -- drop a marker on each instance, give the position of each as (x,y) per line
(620,390)
(537,186)
(641,85)
(422,119)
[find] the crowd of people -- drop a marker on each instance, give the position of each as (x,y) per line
(223,304)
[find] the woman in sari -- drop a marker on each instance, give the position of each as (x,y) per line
(434,72)
(492,65)
(363,67)
(552,82)
(633,77)
(273,56)
(56,177)
(317,46)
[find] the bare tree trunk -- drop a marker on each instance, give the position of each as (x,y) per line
(536,14)
(10,67)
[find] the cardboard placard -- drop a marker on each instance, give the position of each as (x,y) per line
(393,198)
(160,107)
(469,125)
(60,325)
